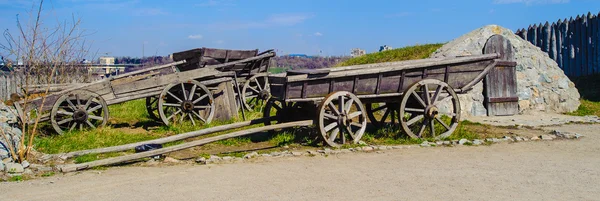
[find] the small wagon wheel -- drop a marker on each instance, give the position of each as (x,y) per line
(341,115)
(79,109)
(152,107)
(433,114)
(189,101)
(380,113)
(256,91)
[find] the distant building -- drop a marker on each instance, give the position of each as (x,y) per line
(107,61)
(299,55)
(384,48)
(357,52)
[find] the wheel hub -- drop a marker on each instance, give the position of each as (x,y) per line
(264,94)
(80,115)
(432,112)
(187,106)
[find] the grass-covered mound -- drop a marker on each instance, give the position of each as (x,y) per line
(399,54)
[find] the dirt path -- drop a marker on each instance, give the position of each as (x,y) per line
(557,170)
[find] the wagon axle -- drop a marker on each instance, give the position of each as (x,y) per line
(80,115)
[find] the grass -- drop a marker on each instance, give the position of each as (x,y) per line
(400,54)
(587,107)
(590,95)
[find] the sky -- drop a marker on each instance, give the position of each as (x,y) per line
(314,27)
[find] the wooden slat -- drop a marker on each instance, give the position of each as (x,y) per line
(502,99)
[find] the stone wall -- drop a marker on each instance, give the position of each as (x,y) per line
(541,84)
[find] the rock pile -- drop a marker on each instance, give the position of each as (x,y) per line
(10,135)
(541,84)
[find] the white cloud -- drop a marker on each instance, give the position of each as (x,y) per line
(195,37)
(318,34)
(530,2)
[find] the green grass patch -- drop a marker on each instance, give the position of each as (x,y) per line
(587,108)
(130,111)
(400,54)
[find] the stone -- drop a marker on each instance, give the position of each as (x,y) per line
(265,155)
(546,137)
(314,153)
(518,139)
(541,84)
(227,158)
(446,143)
(25,164)
(251,155)
(201,160)
(535,138)
(425,145)
(28,172)
(215,158)
(13,168)
(362,142)
(171,160)
(439,143)
(346,151)
(296,153)
(1,166)
(367,148)
(463,141)
(275,153)
(477,142)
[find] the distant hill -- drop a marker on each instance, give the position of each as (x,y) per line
(399,54)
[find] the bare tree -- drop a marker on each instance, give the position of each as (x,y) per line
(50,54)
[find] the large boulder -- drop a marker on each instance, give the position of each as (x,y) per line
(541,84)
(10,134)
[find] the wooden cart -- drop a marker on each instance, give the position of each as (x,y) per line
(183,88)
(420,95)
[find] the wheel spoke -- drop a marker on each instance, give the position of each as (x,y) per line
(78,100)
(181,117)
(192,92)
(356,124)
(200,117)
(380,108)
(253,89)
(422,129)
(414,120)
(94,109)
(184,92)
(349,105)
(385,115)
(334,134)
(192,118)
(65,113)
(333,108)
(436,94)
(90,124)
(88,102)
(171,94)
(73,126)
(201,107)
(419,99)
(330,126)
(341,104)
(349,130)
(432,127)
(354,114)
(258,85)
(172,104)
(442,122)
(276,106)
(71,104)
(94,117)
(65,121)
(200,98)
(330,116)
(177,112)
(414,110)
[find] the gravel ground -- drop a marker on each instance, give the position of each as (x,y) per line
(549,170)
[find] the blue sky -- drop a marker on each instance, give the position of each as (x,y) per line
(333,27)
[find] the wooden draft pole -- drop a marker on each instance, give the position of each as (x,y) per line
(121,159)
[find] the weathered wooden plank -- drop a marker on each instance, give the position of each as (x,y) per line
(552,42)
(120,159)
(376,70)
(545,39)
(584,45)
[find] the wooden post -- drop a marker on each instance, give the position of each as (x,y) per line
(224,97)
(597,35)
(584,45)
(558,44)
(589,50)
(572,47)
(526,34)
(545,33)
(552,42)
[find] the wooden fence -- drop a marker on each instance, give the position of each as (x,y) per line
(14,82)
(574,43)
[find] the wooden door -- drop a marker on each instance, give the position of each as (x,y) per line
(500,84)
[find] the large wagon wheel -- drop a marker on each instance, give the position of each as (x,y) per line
(425,117)
(341,116)
(79,109)
(152,107)
(189,101)
(380,113)
(256,91)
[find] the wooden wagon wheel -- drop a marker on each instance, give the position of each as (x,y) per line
(79,109)
(422,115)
(152,107)
(189,101)
(256,91)
(341,115)
(380,113)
